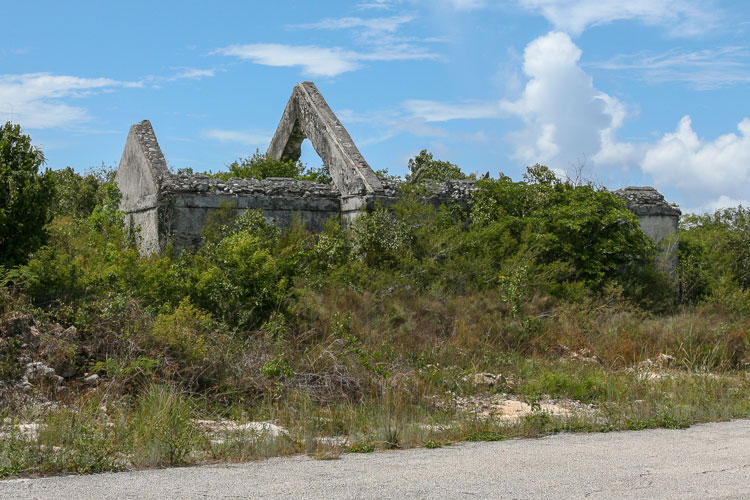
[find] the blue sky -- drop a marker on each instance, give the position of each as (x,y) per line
(643,92)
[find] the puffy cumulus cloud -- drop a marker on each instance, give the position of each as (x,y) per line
(568,121)
(710,174)
(38,100)
(682,17)
(566,118)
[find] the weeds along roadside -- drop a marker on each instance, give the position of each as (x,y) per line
(362,338)
(162,426)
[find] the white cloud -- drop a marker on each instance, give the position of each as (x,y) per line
(701,69)
(38,100)
(193,73)
(314,61)
(373,25)
(458,5)
(682,17)
(245,137)
(566,118)
(375,4)
(722,202)
(702,170)
(432,111)
(321,61)
(465,4)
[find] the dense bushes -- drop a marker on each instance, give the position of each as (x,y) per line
(375,332)
(259,166)
(714,258)
(424,167)
(587,234)
(257,308)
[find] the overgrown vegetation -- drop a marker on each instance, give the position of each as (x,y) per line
(259,166)
(410,327)
(24,196)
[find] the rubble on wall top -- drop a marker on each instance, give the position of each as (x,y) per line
(645,200)
(453,189)
(150,146)
(272,186)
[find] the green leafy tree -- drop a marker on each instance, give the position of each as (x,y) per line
(25,196)
(77,195)
(589,230)
(424,167)
(714,255)
(259,166)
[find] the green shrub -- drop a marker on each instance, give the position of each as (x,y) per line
(276,368)
(554,222)
(380,238)
(714,260)
(76,195)
(239,280)
(183,332)
(259,166)
(423,167)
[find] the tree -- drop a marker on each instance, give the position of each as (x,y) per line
(25,196)
(77,195)
(714,254)
(590,230)
(259,166)
(424,167)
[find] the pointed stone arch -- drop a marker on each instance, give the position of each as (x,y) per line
(308,116)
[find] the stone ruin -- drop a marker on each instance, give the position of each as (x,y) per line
(167,207)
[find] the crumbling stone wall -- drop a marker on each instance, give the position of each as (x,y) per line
(165,207)
(658,218)
(192,199)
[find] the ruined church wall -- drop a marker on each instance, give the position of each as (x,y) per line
(658,218)
(142,167)
(190,201)
(658,227)
(162,207)
(145,225)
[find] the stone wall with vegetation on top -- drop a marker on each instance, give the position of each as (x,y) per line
(166,207)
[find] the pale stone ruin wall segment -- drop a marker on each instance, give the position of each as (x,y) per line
(139,177)
(307,115)
(174,208)
(658,218)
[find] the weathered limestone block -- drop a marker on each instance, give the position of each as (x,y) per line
(139,176)
(658,218)
(307,115)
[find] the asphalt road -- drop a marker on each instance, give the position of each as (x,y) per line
(704,462)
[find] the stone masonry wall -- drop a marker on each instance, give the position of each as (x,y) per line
(658,218)
(165,208)
(190,200)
